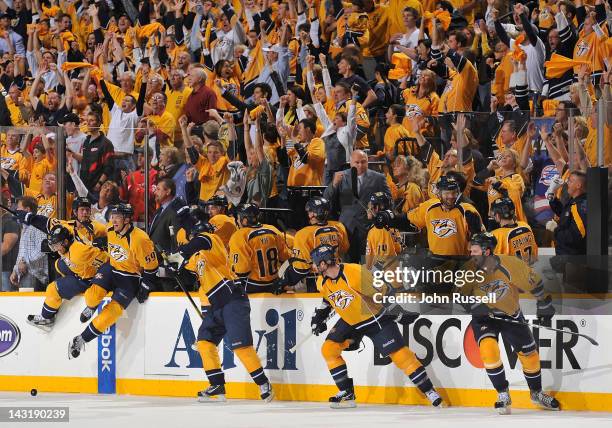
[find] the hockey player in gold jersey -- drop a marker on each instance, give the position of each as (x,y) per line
(224,225)
(320,231)
(226,314)
(514,238)
(77,266)
(448,221)
(382,241)
(347,289)
(256,251)
(131,272)
(82,226)
(505,277)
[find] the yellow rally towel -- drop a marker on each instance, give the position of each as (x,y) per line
(559,64)
(149,29)
(441,15)
(518,54)
(67,66)
(403,66)
(50,12)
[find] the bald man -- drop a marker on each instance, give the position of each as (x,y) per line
(201,99)
(350,192)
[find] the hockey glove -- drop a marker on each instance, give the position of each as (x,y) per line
(479,310)
(407,317)
(175,258)
(22,217)
(318,322)
(545,310)
(278,287)
(143,292)
(383,218)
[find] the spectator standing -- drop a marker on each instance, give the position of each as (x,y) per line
(166,217)
(201,99)
(350,192)
(30,271)
(10,243)
(96,165)
(570,230)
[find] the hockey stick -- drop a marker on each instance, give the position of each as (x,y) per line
(7,209)
(590,339)
(193,303)
(306,338)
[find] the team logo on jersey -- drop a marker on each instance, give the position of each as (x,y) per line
(117,252)
(7,163)
(200,267)
(498,287)
(583,48)
(46,209)
(341,298)
(444,227)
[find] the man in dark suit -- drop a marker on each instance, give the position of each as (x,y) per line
(165,224)
(350,192)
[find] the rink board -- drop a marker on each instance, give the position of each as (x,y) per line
(149,353)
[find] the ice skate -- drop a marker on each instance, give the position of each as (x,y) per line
(435,399)
(44,324)
(266,392)
(345,399)
(76,345)
(544,401)
(503,402)
(212,394)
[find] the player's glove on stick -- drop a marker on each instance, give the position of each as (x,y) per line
(278,287)
(545,310)
(407,317)
(22,217)
(143,292)
(318,323)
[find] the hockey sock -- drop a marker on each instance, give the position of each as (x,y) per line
(250,360)
(211,362)
(408,363)
(94,295)
(489,352)
(337,366)
(531,370)
(109,315)
(52,301)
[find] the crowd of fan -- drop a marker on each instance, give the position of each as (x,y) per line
(253,99)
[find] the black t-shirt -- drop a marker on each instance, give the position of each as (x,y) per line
(51,117)
(10,226)
(359,81)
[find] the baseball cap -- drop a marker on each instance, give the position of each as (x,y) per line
(211,129)
(70,117)
(272,48)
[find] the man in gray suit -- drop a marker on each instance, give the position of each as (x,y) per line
(350,193)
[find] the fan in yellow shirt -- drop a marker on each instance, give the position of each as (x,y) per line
(398,140)
(307,156)
(212,168)
(162,120)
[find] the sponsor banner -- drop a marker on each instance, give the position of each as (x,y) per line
(27,351)
(106,358)
(444,344)
(153,342)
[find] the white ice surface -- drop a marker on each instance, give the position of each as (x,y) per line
(112,411)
